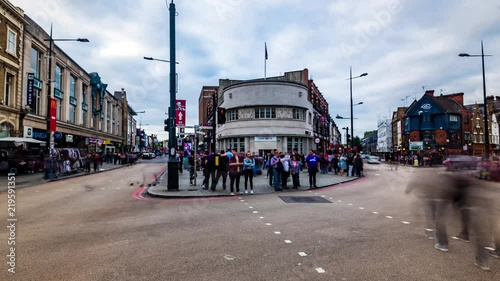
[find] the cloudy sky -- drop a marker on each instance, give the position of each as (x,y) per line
(405,47)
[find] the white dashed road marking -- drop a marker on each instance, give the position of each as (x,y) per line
(261,218)
(302,254)
(288,241)
(320,270)
(406,222)
(340,201)
(361,208)
(389,217)
(277,232)
(489,248)
(268,223)
(250,207)
(376,213)
(255,212)
(349,204)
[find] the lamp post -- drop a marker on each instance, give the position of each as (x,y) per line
(150,58)
(49,83)
(350,91)
(173,163)
(486,116)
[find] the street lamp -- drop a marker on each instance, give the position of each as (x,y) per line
(350,90)
(486,116)
(150,58)
(340,117)
(49,83)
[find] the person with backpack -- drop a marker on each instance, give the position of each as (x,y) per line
(312,164)
(222,167)
(248,165)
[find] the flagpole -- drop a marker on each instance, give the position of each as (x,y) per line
(265,60)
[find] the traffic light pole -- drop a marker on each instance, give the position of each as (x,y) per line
(173,163)
(214,121)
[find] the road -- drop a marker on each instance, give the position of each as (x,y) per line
(94,228)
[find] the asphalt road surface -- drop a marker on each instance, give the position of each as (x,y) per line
(98,228)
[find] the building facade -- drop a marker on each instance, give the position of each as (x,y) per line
(12,111)
(88,116)
(384,137)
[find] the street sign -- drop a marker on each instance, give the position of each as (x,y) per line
(180,113)
(200,133)
(316,140)
(205,127)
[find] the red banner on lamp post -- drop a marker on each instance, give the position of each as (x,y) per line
(180,113)
(53,113)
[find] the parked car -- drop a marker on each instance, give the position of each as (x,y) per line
(373,160)
(455,162)
(148,155)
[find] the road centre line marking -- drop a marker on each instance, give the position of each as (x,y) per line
(268,223)
(376,213)
(389,217)
(406,222)
(277,232)
(288,241)
(261,218)
(302,254)
(255,212)
(489,248)
(340,201)
(349,204)
(250,207)
(361,208)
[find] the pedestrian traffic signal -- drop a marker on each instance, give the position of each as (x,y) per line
(167,125)
(221,116)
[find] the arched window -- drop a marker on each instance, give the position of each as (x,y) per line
(5,130)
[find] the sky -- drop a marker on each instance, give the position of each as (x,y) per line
(405,46)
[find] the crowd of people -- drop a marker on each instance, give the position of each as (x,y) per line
(281,167)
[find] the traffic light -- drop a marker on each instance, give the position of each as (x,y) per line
(167,125)
(348,139)
(221,116)
(181,130)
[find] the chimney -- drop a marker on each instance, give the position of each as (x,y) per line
(429,93)
(458,97)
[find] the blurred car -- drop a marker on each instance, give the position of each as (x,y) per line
(456,162)
(148,155)
(373,160)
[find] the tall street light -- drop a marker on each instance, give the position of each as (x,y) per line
(350,90)
(485,104)
(50,136)
(173,163)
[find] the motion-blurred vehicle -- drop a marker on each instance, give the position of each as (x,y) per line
(373,160)
(148,155)
(456,162)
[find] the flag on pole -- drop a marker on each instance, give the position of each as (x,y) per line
(265,46)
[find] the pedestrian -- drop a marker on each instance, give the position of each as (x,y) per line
(192,172)
(222,168)
(248,166)
(209,170)
(342,165)
(285,160)
(335,164)
(277,168)
(350,164)
(295,166)
(96,161)
(312,164)
(358,165)
(235,171)
(181,162)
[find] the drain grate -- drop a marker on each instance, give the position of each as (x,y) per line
(304,199)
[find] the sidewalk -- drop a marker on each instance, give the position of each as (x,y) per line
(260,185)
(28,180)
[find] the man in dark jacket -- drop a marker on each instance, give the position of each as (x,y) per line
(222,168)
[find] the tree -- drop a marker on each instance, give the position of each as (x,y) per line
(367,133)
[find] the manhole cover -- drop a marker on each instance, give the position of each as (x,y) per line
(304,199)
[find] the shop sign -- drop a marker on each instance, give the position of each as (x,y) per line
(41,135)
(417,145)
(265,139)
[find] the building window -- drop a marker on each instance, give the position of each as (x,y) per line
(84,93)
(238,143)
(265,113)
(453,118)
(426,118)
(11,42)
(299,114)
(294,143)
(36,63)
(58,78)
(232,115)
(9,89)
(59,109)
(72,99)
(310,118)
(84,118)
(38,101)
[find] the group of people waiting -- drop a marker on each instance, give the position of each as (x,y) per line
(216,166)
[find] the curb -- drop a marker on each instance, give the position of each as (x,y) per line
(157,195)
(86,174)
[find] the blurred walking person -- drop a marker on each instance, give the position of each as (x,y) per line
(248,166)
